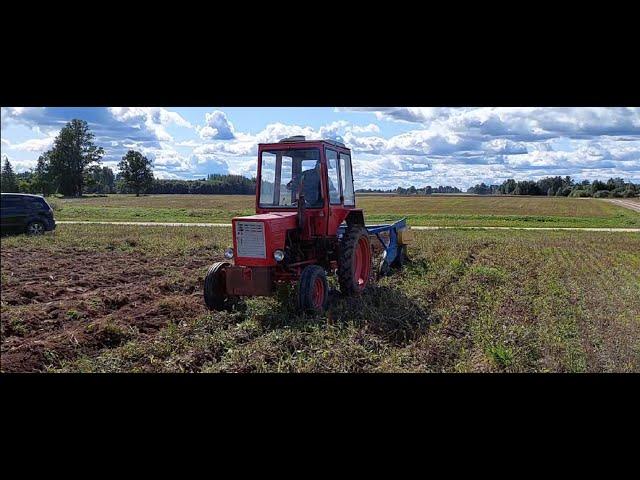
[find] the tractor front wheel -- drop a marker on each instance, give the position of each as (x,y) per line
(354,265)
(313,290)
(215,291)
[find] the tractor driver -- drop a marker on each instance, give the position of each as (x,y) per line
(311,185)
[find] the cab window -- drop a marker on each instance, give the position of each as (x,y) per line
(347,180)
(333,176)
(286,175)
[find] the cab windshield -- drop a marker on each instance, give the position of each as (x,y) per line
(288,172)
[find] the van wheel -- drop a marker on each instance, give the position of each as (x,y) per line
(35,228)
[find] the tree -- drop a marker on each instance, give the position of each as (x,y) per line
(598,186)
(72,153)
(40,176)
(135,171)
(8,179)
(107,180)
(508,187)
(480,189)
(100,180)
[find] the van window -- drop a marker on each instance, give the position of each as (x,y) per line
(9,202)
(37,203)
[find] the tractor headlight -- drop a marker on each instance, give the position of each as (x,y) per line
(228,253)
(278,255)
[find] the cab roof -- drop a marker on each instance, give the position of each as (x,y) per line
(298,140)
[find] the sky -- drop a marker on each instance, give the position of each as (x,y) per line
(391,146)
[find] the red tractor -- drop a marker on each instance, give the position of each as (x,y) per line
(306,227)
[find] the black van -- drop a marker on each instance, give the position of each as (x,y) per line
(23,213)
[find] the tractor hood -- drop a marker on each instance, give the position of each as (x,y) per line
(256,237)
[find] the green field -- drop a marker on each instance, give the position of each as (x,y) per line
(99,298)
(434,210)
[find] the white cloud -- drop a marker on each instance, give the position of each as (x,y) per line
(524,122)
(188,143)
(34,145)
(164,175)
(371,128)
(217,127)
(505,147)
(154,119)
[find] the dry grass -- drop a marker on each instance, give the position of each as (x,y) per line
(434,210)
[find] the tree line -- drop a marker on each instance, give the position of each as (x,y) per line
(561,187)
(412,190)
(213,185)
(72,167)
(102,180)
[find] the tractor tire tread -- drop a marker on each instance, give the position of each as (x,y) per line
(305,289)
(212,297)
(345,261)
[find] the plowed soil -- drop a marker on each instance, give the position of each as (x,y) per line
(71,302)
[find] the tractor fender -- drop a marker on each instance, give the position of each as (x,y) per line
(355,217)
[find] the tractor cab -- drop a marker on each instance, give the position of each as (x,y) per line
(311,177)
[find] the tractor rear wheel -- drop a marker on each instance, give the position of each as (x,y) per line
(313,290)
(354,264)
(215,288)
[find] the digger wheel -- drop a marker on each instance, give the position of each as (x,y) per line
(401,259)
(313,290)
(383,268)
(215,294)
(354,265)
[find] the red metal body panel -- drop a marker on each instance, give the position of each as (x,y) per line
(250,281)
(337,214)
(276,225)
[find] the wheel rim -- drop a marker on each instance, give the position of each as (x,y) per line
(317,295)
(362,264)
(36,228)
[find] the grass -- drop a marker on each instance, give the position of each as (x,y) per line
(434,210)
(154,241)
(470,301)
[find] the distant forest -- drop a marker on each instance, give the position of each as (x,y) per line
(213,184)
(428,190)
(102,180)
(561,187)
(549,186)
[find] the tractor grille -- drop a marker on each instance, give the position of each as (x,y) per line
(250,239)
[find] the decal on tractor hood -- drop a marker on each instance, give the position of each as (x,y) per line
(250,239)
